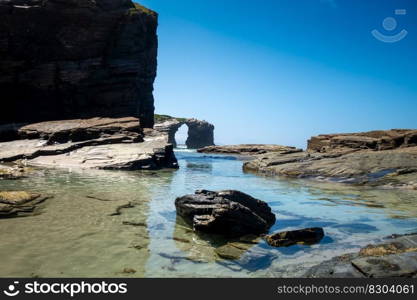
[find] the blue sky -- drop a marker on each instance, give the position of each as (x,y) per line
(280,71)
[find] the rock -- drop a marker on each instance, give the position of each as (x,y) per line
(395,258)
(375,140)
(249,149)
(307,236)
(395,168)
(104,143)
(394,265)
(76,59)
(18,203)
(82,129)
(200,133)
(229,213)
(15,172)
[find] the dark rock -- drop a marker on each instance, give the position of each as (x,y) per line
(306,236)
(200,134)
(76,59)
(229,213)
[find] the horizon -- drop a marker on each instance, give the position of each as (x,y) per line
(286,71)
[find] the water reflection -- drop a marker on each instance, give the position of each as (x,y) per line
(111,223)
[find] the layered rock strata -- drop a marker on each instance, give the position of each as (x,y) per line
(76,59)
(388,160)
(229,213)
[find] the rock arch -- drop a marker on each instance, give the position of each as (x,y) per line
(200,133)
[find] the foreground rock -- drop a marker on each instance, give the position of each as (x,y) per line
(229,213)
(102,143)
(308,236)
(78,59)
(249,149)
(348,161)
(14,172)
(200,133)
(18,203)
(395,258)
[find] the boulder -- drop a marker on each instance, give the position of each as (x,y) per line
(228,213)
(307,236)
(17,203)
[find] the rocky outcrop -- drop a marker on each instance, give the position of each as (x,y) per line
(307,236)
(102,143)
(13,172)
(76,59)
(229,213)
(374,140)
(18,203)
(397,257)
(200,133)
(249,149)
(338,160)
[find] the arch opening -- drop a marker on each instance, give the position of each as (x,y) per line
(181,136)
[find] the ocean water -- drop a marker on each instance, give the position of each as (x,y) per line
(123,224)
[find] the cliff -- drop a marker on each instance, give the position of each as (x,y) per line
(67,59)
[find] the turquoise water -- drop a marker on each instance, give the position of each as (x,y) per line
(77,233)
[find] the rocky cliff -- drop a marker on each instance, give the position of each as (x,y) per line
(67,59)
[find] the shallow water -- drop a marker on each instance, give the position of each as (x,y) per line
(77,233)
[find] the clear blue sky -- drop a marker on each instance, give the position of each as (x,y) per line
(280,71)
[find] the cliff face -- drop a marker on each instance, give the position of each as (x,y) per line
(62,59)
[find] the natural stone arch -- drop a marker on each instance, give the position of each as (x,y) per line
(200,133)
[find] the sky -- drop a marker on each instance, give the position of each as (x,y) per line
(281,71)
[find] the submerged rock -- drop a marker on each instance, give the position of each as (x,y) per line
(17,203)
(395,258)
(306,236)
(229,213)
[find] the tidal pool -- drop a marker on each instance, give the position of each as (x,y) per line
(123,224)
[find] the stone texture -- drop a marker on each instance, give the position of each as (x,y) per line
(397,257)
(76,59)
(200,133)
(229,213)
(307,236)
(249,149)
(82,129)
(375,140)
(18,203)
(14,172)
(101,143)
(393,168)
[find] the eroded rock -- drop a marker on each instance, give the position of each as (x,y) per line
(229,213)
(77,59)
(397,257)
(249,149)
(307,236)
(18,203)
(347,162)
